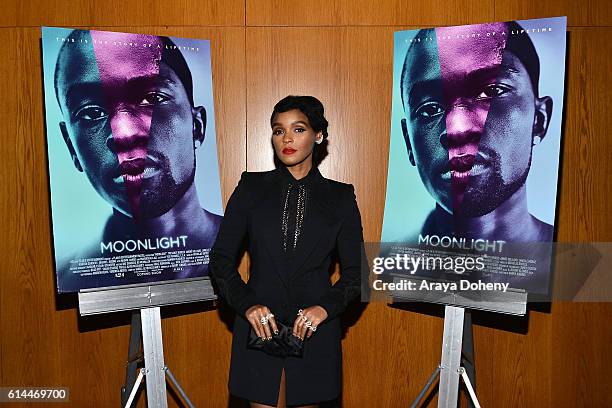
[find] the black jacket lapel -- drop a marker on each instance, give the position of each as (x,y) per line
(269,219)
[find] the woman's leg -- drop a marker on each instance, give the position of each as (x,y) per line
(281,395)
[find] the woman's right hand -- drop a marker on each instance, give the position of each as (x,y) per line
(255,314)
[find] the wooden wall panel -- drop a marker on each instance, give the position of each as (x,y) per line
(583,13)
(513,360)
(116,13)
(425,13)
(584,204)
(295,13)
(580,341)
(293,61)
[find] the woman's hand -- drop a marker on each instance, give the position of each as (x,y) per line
(308,320)
(262,321)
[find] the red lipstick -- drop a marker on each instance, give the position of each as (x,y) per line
(289,150)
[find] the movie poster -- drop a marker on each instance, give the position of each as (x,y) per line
(474,149)
(134,179)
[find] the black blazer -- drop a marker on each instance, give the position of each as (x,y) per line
(332,223)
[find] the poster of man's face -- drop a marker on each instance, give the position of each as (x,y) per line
(133,167)
(475,134)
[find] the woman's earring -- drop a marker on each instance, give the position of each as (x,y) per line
(537,140)
(319,141)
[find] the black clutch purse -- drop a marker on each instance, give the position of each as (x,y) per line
(282,344)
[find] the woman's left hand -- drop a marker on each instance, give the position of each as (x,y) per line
(308,320)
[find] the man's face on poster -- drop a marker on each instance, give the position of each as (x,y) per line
(470,117)
(129,122)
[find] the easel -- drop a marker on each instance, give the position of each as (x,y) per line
(145,300)
(450,370)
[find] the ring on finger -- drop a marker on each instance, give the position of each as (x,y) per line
(313,328)
(269,315)
(264,320)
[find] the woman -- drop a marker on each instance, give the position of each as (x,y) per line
(294,219)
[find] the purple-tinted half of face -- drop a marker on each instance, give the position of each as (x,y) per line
(468,55)
(123,60)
